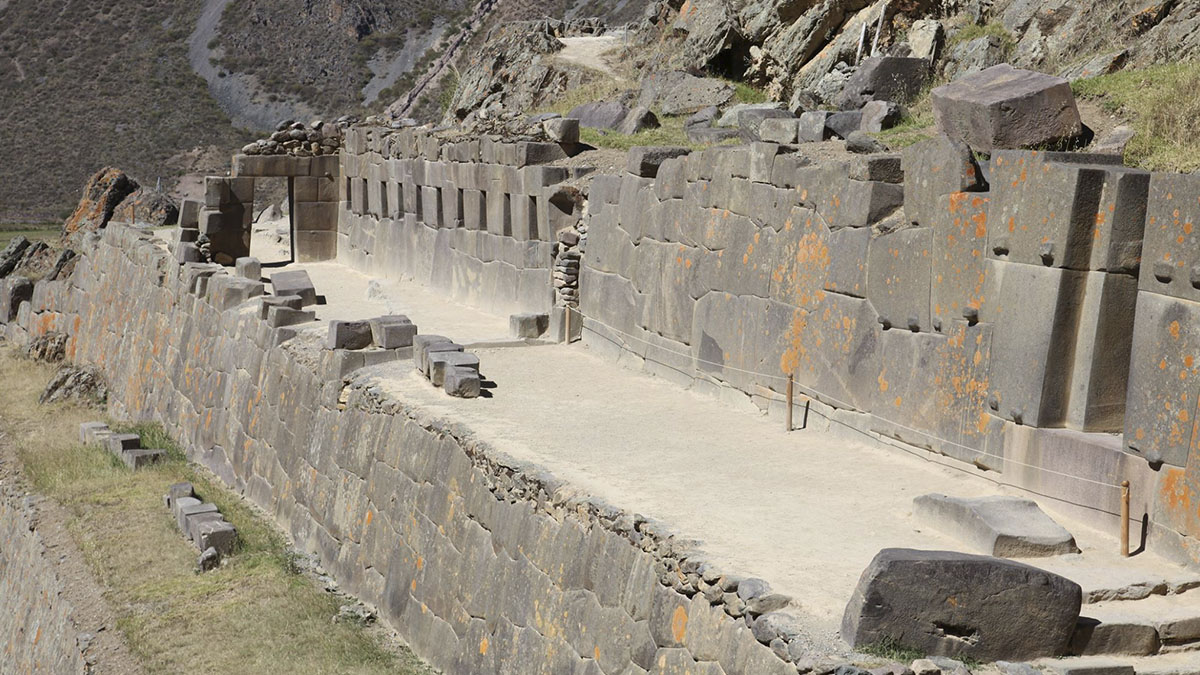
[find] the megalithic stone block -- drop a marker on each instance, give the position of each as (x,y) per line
(119,443)
(462,382)
(934,168)
(348,335)
(91,432)
(294,282)
(1001,609)
(250,268)
(645,160)
(435,348)
(528,325)
(1005,107)
(1006,527)
(137,459)
(217,534)
(420,342)
(281,317)
(440,362)
(393,332)
(178,491)
(269,301)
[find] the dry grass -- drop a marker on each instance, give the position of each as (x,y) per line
(255,614)
(1160,103)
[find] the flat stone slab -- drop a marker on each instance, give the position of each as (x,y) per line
(962,605)
(1006,527)
(294,282)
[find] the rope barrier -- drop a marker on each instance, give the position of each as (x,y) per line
(820,397)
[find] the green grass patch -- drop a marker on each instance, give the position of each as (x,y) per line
(33,232)
(975,31)
(745,93)
(890,650)
(1159,102)
(670,133)
(253,614)
(916,125)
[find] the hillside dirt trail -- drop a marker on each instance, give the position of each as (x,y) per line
(592,52)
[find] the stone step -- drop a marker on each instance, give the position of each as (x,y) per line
(1163,664)
(1002,526)
(1117,578)
(1142,627)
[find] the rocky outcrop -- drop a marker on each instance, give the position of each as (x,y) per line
(104,191)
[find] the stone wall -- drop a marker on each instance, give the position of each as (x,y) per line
(36,631)
(924,298)
(476,219)
(483,564)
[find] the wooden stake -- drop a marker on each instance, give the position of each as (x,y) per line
(1125,518)
(790,399)
(567,324)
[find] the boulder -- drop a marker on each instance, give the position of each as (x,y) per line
(862,143)
(712,30)
(972,56)
(732,116)
(962,605)
(703,117)
(600,114)
(813,128)
(880,115)
(925,39)
(1008,527)
(12,254)
(562,129)
(887,78)
(638,119)
(749,121)
(1114,142)
(842,124)
(781,130)
(1005,107)
(710,135)
(103,192)
(680,93)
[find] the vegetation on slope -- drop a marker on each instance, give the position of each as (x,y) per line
(1161,105)
(254,614)
(86,85)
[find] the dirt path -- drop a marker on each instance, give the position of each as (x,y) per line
(591,52)
(92,615)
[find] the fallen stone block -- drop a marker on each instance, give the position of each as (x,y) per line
(217,534)
(1000,609)
(189,214)
(136,459)
(209,560)
(880,115)
(528,325)
(119,443)
(886,78)
(1004,107)
(226,292)
(750,121)
(250,268)
(186,510)
(440,362)
(420,342)
(732,115)
(435,348)
(709,135)
(644,160)
(294,282)
(461,382)
(92,432)
(680,93)
(1114,637)
(562,129)
(178,503)
(638,119)
(269,301)
(279,316)
(779,130)
(1006,527)
(813,127)
(844,123)
(862,143)
(393,332)
(187,252)
(178,491)
(348,335)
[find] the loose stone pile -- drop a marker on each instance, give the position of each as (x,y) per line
(444,363)
(295,138)
(128,447)
(202,524)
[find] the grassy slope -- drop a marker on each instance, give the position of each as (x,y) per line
(84,85)
(32,232)
(254,614)
(1161,104)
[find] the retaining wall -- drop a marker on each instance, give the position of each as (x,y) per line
(475,219)
(483,564)
(36,630)
(985,312)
